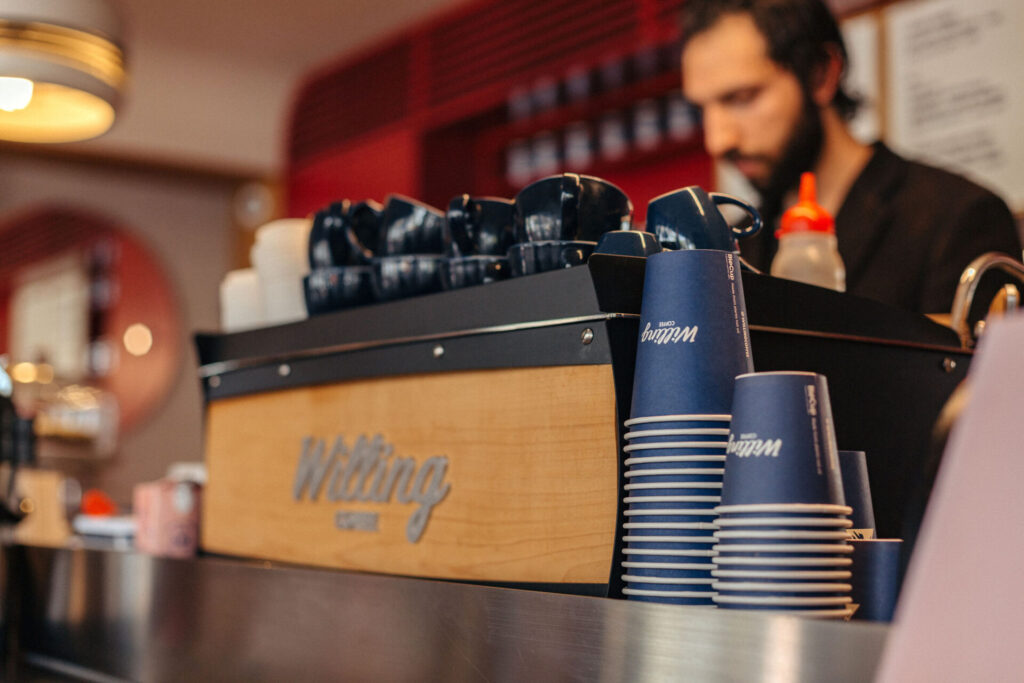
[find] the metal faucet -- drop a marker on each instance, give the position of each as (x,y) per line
(965,290)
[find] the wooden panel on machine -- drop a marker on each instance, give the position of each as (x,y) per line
(506,475)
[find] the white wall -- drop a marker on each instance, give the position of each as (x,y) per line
(186,223)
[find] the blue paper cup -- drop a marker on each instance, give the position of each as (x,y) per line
(654,530)
(644,461)
(790,576)
(668,542)
(682,513)
(640,507)
(795,590)
(794,587)
(760,549)
(693,335)
(729,546)
(876,577)
(784,524)
(669,599)
(638,574)
(700,564)
(659,516)
(683,448)
(694,421)
(684,493)
(785,602)
(795,510)
(778,564)
(706,544)
(671,584)
(691,556)
(682,477)
(840,612)
(734,536)
(857,489)
(716,435)
(782,445)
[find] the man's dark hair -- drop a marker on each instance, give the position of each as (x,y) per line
(799,34)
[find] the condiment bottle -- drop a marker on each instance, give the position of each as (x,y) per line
(807,242)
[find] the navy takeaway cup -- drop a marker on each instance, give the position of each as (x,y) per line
(693,337)
(782,445)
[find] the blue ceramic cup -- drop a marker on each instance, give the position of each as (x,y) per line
(876,577)
(344,234)
(628,243)
(693,334)
(782,444)
(570,207)
(331,289)
(857,489)
(689,219)
(479,226)
(468,271)
(530,258)
(410,227)
(397,277)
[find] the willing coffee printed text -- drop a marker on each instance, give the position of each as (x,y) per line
(748,445)
(366,472)
(669,334)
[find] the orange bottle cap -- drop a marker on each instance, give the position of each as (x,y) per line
(807,214)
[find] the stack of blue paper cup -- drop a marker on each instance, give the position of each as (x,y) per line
(693,342)
(782,538)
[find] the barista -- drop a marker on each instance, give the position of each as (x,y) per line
(767,76)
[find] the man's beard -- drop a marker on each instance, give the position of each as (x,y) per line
(801,153)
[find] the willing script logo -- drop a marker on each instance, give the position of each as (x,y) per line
(748,445)
(668,332)
(368,471)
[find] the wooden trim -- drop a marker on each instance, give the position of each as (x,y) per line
(531,466)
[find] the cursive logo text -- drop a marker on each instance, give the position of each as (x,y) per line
(748,445)
(671,333)
(366,471)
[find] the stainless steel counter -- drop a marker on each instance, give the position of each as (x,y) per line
(109,615)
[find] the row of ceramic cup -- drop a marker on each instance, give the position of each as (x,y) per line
(363,252)
(673,481)
(556,222)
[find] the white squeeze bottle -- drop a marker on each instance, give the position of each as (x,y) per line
(807,242)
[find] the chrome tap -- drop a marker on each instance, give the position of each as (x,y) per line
(965,290)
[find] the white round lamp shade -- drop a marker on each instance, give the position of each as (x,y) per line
(71,53)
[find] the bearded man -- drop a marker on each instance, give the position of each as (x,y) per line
(767,77)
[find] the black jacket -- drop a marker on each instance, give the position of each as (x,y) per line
(906,232)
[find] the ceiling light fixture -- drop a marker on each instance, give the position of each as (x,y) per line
(62,69)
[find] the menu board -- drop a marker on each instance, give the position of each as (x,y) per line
(861,37)
(954,95)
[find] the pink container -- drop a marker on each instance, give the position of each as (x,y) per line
(167,514)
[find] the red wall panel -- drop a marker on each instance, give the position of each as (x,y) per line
(380,163)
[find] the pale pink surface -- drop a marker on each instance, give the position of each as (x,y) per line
(961,614)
